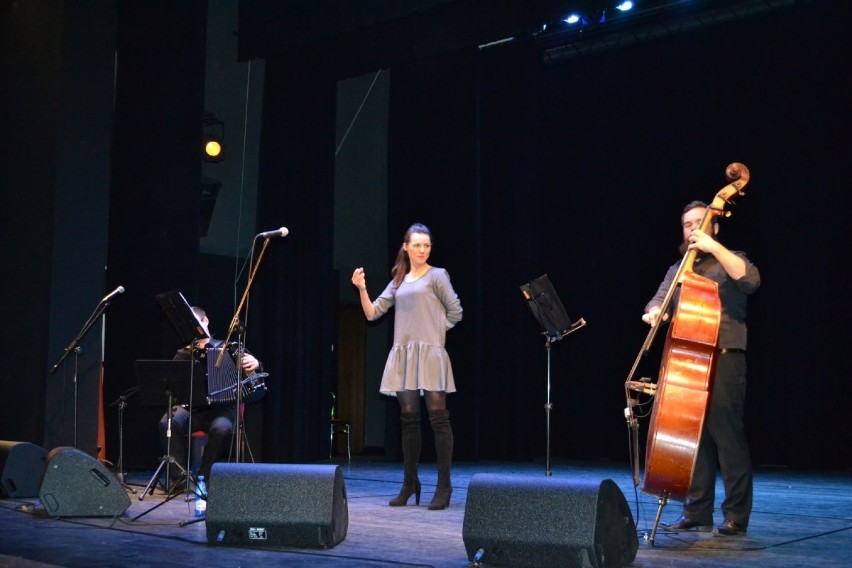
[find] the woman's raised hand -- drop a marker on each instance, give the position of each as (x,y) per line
(359,279)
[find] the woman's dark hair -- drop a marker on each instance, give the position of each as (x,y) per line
(403,263)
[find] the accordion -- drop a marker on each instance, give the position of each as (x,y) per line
(224,380)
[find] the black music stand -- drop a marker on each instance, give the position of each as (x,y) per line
(548,310)
(160,379)
(175,380)
(180,314)
(166,382)
(190,332)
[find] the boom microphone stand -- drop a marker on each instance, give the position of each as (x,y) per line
(237,327)
(74,346)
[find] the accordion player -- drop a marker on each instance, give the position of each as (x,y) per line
(218,417)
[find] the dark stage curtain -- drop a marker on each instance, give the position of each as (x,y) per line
(296,288)
(580,169)
(628,137)
(461,162)
(154,207)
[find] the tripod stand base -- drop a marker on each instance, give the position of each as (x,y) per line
(155,479)
(183,480)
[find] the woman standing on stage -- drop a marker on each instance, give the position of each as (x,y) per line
(426,307)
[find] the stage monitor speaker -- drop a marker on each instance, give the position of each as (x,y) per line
(21,465)
(75,484)
(546,521)
(269,505)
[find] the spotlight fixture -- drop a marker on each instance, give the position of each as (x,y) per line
(589,16)
(213,139)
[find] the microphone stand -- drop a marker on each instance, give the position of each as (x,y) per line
(121,403)
(235,324)
(74,347)
(239,328)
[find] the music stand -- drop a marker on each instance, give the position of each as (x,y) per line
(168,378)
(548,310)
(168,382)
(190,331)
(181,316)
(164,383)
(160,378)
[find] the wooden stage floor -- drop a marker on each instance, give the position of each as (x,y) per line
(799,519)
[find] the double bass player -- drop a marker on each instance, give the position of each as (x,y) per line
(723,442)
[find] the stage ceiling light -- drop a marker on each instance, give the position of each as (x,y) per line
(213,139)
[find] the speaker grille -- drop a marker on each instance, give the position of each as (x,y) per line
(75,484)
(546,521)
(21,466)
(268,505)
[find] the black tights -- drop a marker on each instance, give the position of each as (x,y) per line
(409,401)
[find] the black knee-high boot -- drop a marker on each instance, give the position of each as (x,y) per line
(440,420)
(411,442)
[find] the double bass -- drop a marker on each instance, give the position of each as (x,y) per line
(682,391)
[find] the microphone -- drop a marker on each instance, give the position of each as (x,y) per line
(116,292)
(282,232)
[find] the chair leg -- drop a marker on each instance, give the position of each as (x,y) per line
(340,428)
(348,445)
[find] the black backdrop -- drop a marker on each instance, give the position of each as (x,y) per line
(579,169)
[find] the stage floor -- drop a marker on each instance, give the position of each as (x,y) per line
(799,519)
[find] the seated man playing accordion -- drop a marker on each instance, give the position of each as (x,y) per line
(217,419)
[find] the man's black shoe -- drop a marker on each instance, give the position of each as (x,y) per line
(730,528)
(684,524)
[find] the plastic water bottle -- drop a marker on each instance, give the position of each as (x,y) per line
(200,497)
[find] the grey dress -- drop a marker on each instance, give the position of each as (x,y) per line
(425,309)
